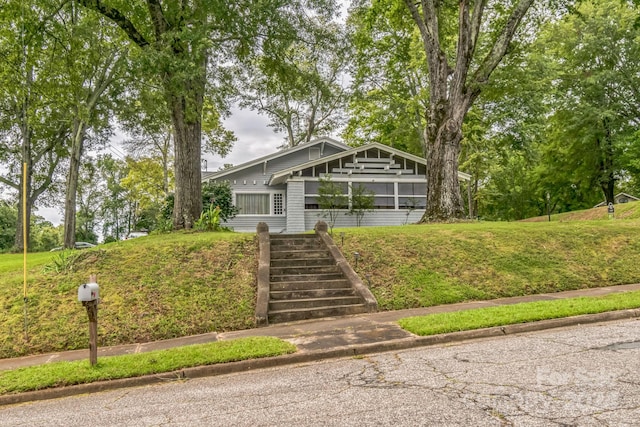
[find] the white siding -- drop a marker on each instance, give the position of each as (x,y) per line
(261,172)
(370,219)
(248,224)
(295,206)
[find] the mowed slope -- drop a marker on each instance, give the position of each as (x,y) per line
(166,286)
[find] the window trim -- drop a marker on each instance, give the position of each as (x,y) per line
(271,203)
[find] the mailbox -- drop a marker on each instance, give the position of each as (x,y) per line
(89,292)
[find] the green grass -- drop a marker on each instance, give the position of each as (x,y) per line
(151,288)
(518,313)
(13,263)
(186,283)
(61,374)
(422,265)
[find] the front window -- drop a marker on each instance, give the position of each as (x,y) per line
(260,203)
(252,204)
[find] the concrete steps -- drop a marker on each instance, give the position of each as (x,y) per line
(305,282)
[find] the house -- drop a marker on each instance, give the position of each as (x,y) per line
(281,189)
(619,198)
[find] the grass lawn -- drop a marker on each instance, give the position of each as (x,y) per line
(487,317)
(423,265)
(11,264)
(151,288)
(186,283)
(60,374)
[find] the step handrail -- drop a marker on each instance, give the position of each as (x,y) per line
(264,261)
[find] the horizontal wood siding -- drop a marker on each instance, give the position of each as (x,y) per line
(247,224)
(237,180)
(295,206)
(371,219)
(285,161)
(298,158)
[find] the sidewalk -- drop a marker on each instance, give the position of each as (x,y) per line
(316,340)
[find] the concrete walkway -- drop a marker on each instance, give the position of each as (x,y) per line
(318,339)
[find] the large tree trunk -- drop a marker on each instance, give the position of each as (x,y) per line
(607,178)
(188,197)
(19,240)
(186,114)
(77,143)
(24,194)
(444,200)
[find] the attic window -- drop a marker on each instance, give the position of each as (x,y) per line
(314,153)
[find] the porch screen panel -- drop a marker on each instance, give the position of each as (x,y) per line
(379,188)
(412,188)
(252,204)
(417,202)
(384,203)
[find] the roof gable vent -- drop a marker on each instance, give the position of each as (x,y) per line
(314,153)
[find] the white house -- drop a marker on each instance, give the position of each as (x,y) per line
(619,198)
(281,189)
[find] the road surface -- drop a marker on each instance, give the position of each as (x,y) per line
(584,376)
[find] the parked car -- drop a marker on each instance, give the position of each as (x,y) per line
(78,245)
(135,234)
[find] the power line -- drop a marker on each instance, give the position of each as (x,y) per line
(115,150)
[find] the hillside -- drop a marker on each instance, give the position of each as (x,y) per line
(188,283)
(622,211)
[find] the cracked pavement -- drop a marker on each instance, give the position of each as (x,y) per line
(585,375)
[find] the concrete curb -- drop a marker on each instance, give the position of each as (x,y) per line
(312,356)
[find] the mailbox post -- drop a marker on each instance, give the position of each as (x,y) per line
(89,295)
(610,210)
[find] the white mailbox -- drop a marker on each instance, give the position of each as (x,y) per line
(89,292)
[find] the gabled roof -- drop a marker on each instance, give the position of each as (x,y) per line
(616,197)
(234,169)
(281,176)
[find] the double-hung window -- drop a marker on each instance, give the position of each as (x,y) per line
(260,203)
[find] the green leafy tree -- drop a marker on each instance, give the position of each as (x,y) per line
(302,90)
(463,45)
(185,45)
(113,206)
(145,191)
(93,64)
(89,198)
(219,195)
(390,88)
(361,202)
(45,236)
(8,220)
(33,127)
(593,60)
(332,200)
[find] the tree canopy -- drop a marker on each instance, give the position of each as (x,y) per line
(530,97)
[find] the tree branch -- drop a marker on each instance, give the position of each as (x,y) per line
(11,184)
(501,44)
(118,18)
(53,163)
(160,23)
(476,20)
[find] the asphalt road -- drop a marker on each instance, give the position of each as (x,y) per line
(583,376)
